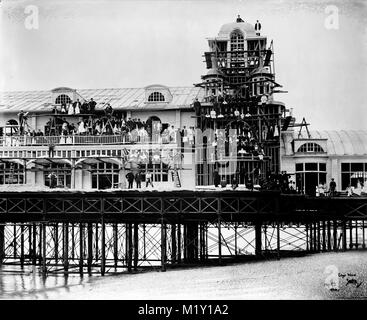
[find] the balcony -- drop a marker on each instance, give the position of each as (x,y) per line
(77,146)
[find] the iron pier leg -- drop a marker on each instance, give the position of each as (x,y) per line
(2,243)
(278,240)
(129,246)
(307,238)
(318,236)
(258,228)
(81,247)
(72,241)
(174,243)
(179,243)
(97,239)
(363,236)
(356,235)
(56,243)
(335,235)
(219,240)
(15,241)
(90,246)
(344,225)
(34,245)
(163,246)
(235,239)
(103,248)
(350,234)
(115,245)
(44,252)
(22,230)
(40,244)
(66,246)
(328,236)
(136,246)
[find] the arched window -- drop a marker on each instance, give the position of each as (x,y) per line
(63,98)
(237,41)
(156,96)
(310,147)
(237,48)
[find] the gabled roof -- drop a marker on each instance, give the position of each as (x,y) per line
(342,143)
(119,98)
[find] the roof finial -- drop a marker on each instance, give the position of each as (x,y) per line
(239,19)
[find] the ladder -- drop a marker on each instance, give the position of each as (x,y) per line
(176,178)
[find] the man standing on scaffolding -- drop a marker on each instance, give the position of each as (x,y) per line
(21,118)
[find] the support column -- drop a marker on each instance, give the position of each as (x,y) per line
(22,230)
(323,235)
(335,235)
(103,248)
(56,243)
(90,246)
(350,234)
(15,241)
(40,244)
(129,246)
(66,246)
(174,243)
(2,243)
(72,173)
(179,243)
(307,238)
(278,240)
(115,245)
(363,236)
(235,239)
(318,236)
(44,253)
(163,245)
(81,247)
(136,246)
(34,244)
(219,239)
(258,228)
(344,226)
(356,235)
(328,236)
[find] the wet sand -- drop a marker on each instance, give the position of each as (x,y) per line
(288,278)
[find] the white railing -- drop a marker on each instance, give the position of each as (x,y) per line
(15,141)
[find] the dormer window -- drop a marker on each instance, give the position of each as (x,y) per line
(310,147)
(157,94)
(156,97)
(63,99)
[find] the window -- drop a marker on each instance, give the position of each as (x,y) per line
(63,99)
(156,96)
(309,175)
(237,44)
(353,174)
(105,175)
(11,173)
(63,174)
(310,147)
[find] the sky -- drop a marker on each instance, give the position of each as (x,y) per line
(87,44)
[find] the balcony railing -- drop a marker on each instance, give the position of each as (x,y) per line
(15,141)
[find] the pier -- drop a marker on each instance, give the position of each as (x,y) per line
(125,231)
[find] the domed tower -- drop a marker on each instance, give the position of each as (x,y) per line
(239,87)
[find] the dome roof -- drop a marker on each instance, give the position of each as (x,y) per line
(246,28)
